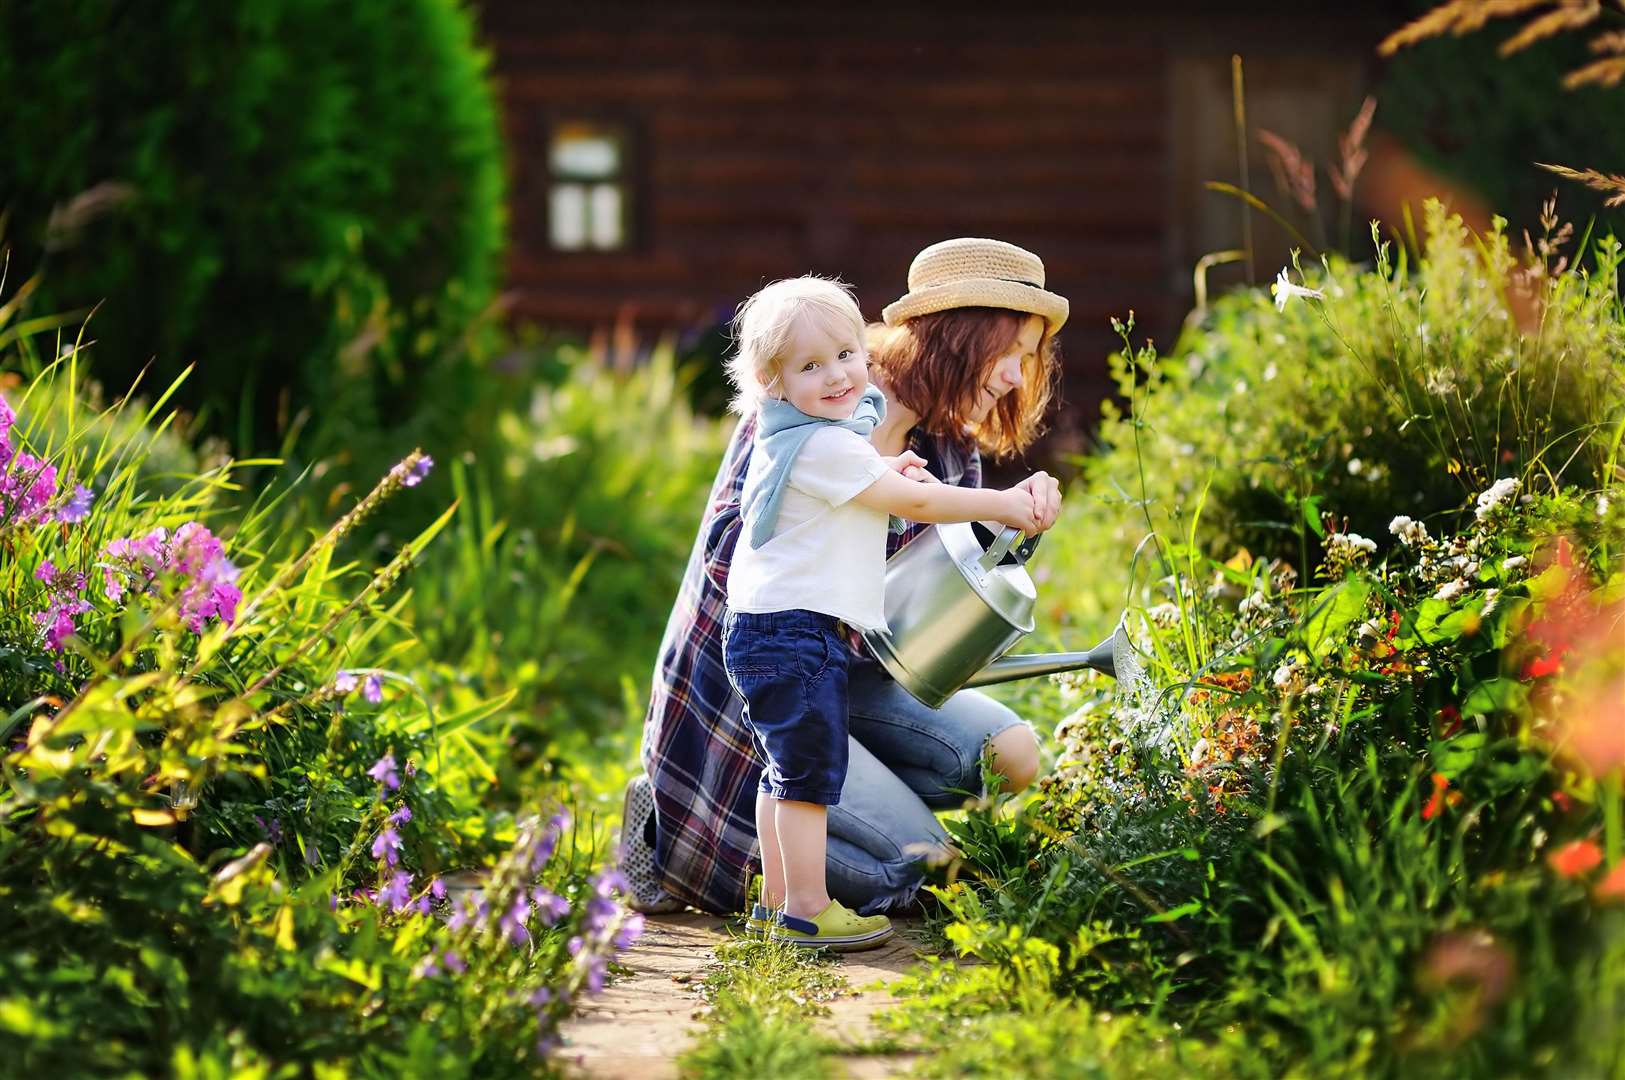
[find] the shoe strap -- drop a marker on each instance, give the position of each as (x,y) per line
(801,926)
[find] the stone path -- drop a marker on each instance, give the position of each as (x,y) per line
(645,1019)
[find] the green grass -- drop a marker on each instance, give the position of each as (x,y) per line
(763,998)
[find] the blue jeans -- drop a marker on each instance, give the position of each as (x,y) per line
(790,667)
(903,761)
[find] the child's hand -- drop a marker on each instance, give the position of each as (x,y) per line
(1020,510)
(911,465)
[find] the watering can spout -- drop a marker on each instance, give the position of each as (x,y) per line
(1028,665)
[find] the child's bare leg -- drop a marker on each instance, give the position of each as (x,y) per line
(767,831)
(802,832)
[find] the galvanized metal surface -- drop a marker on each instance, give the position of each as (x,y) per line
(956,602)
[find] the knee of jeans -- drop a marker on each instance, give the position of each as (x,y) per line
(1014,752)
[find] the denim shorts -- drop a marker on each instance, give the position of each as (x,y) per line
(791,668)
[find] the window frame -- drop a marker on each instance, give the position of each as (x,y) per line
(628,178)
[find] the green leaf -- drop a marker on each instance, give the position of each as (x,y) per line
(1335,611)
(1495,695)
(1190,907)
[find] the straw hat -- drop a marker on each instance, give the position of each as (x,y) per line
(972,272)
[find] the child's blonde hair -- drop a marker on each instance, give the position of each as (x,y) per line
(763,324)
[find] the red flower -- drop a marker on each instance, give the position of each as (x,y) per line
(1449,721)
(1542,666)
(1436,802)
(1561,800)
(1575,858)
(1393,625)
(1612,886)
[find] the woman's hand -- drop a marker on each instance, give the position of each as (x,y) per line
(911,465)
(1046,498)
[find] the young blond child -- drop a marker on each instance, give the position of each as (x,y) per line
(811,556)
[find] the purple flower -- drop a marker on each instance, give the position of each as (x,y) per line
(438,888)
(45,572)
(600,913)
(398,893)
(610,881)
(630,930)
(272,829)
(345,683)
(7,418)
(401,816)
(418,472)
(373,689)
(387,846)
(573,946)
(539,997)
(454,962)
(512,923)
(27,484)
(77,508)
(426,968)
(596,969)
(550,906)
(384,772)
(472,911)
(194,556)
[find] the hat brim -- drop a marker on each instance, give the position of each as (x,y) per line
(979,292)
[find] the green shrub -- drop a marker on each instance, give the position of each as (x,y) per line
(578,505)
(302,199)
(1408,388)
(1337,828)
(238,834)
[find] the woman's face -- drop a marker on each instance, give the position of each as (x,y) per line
(1005,372)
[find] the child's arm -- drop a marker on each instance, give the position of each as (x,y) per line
(939,504)
(912,466)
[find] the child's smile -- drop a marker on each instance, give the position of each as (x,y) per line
(824,371)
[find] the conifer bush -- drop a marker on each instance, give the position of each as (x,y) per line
(302,199)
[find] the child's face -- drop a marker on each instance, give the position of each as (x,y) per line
(824,372)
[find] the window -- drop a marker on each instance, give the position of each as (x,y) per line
(589,188)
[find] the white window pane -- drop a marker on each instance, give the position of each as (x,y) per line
(585,154)
(607,230)
(567,217)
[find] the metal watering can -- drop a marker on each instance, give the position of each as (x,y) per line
(957,598)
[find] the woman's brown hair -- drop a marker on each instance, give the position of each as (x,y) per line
(937,364)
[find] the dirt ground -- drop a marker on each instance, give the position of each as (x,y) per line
(644,1020)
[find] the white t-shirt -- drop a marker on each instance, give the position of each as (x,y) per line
(827,553)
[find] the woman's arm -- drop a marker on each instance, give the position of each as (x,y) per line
(939,504)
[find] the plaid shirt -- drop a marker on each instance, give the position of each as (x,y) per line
(696,747)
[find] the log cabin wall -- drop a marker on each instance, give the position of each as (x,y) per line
(765,141)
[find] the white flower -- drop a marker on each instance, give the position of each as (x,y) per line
(1164,615)
(1491,598)
(1411,533)
(1284,290)
(1450,590)
(1288,678)
(1602,506)
(1254,602)
(1348,549)
(1491,500)
(1517,562)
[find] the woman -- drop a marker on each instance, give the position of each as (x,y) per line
(966,360)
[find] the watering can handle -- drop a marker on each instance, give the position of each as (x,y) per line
(1002,545)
